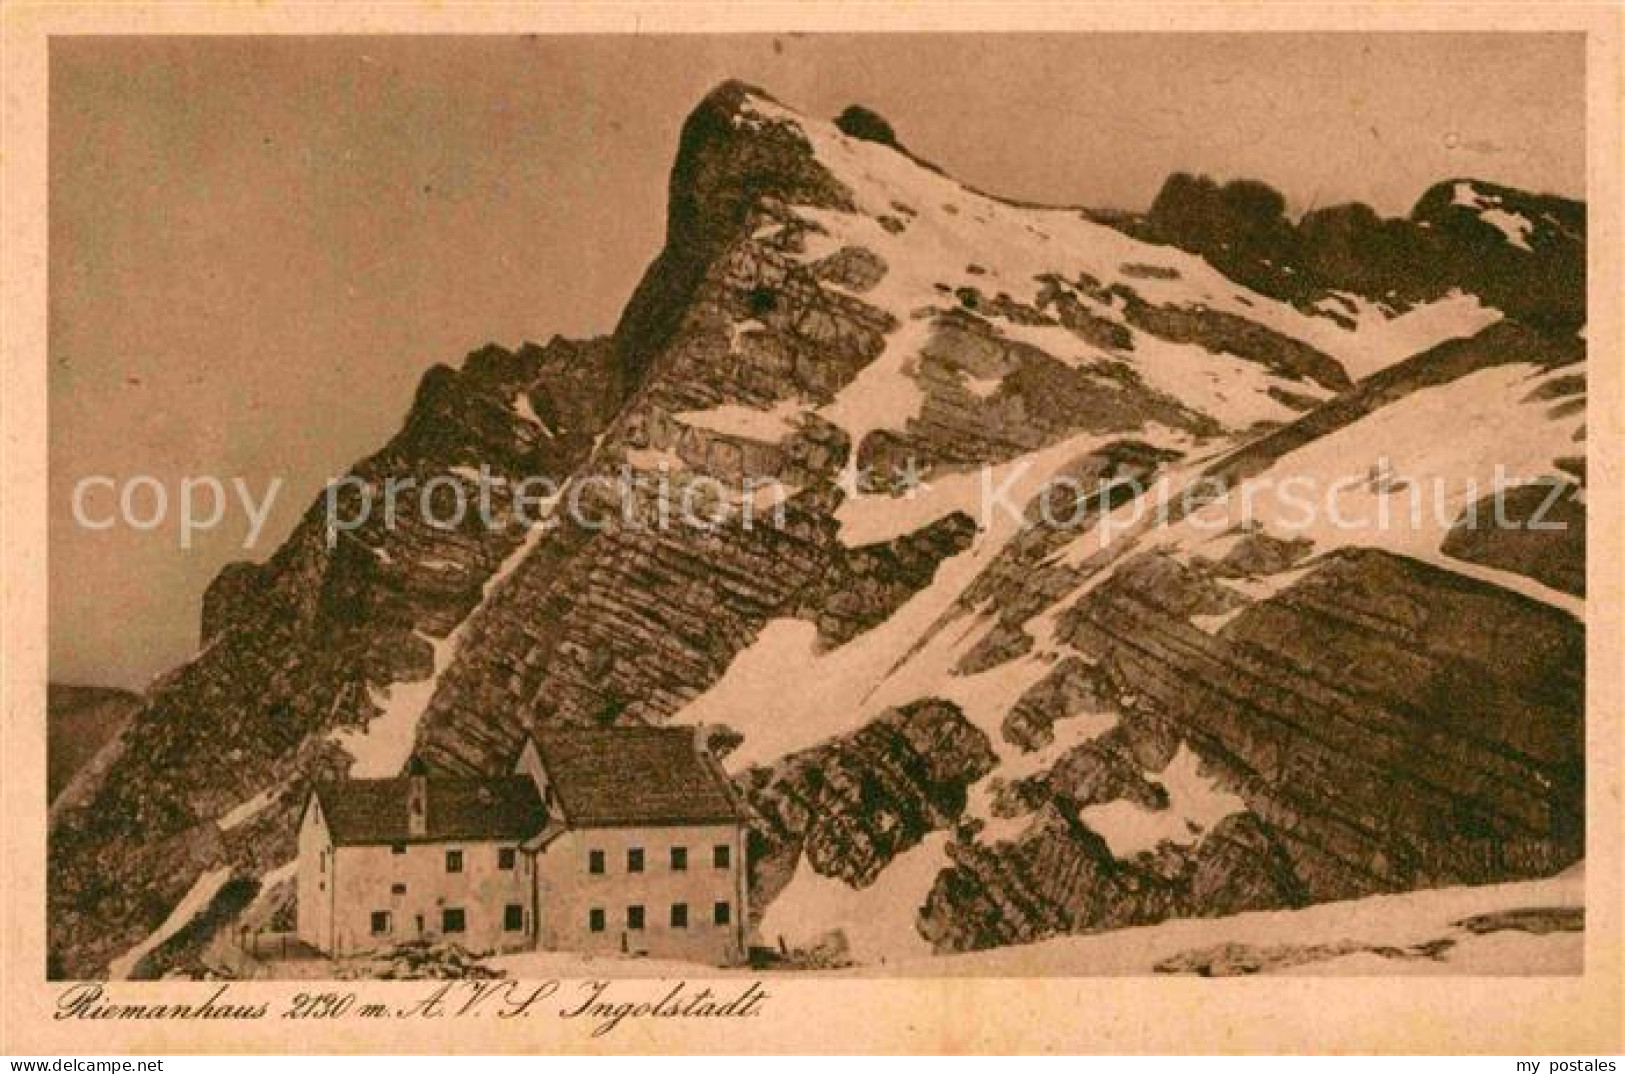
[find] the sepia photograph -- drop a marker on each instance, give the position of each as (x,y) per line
(638,523)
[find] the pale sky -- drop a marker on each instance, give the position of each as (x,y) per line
(258,245)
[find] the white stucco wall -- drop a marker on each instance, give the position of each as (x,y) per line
(314,895)
(567,892)
(364,880)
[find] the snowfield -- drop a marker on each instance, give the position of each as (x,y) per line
(1399,922)
(783,694)
(194,902)
(1397,484)
(1013,246)
(876,922)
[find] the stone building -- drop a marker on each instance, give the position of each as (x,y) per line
(622,840)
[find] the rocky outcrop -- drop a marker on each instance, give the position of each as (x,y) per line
(1534,920)
(1061,877)
(81,723)
(854,803)
(1239,959)
(1366,710)
(1240,227)
(1521,253)
(1227,333)
(1380,736)
(728,164)
(867,124)
(630,622)
(1030,574)
(1524,253)
(1111,767)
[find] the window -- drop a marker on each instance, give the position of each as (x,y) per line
(679,859)
(398,848)
(634,860)
(634,917)
(721,913)
(679,915)
(324,861)
(595,861)
(595,919)
(454,861)
(506,858)
(397,889)
(452,919)
(721,855)
(513,917)
(380,922)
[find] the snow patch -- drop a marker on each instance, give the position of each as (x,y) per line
(381,748)
(1394,921)
(1514,227)
(247,810)
(1397,921)
(1212,624)
(980,387)
(1386,338)
(526,412)
(1256,589)
(468,473)
(884,394)
(1517,229)
(1014,245)
(878,921)
(1195,804)
(436,564)
(268,883)
(647,459)
(749,423)
(194,902)
(1070,732)
(783,694)
(1396,484)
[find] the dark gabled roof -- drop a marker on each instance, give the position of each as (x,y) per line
(370,811)
(621,776)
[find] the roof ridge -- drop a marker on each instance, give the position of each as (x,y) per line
(471,808)
(664,776)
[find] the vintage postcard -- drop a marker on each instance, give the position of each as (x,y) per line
(906,528)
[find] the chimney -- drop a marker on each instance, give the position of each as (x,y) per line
(417,797)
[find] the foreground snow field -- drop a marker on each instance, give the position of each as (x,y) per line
(1398,924)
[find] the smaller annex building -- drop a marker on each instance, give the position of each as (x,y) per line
(611,840)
